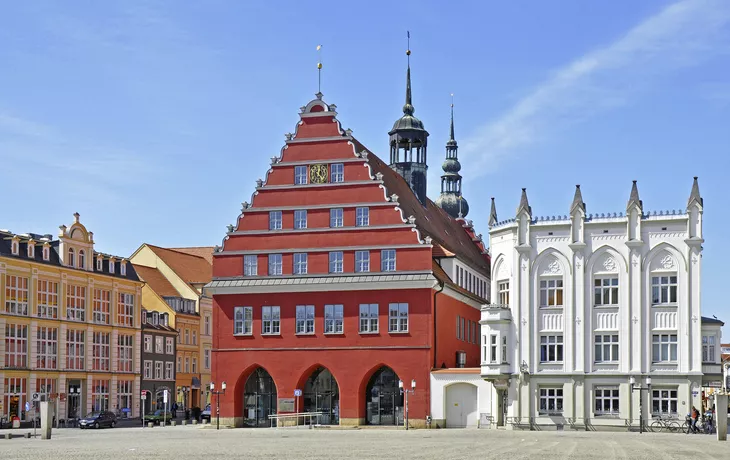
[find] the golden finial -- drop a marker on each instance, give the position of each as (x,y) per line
(452,99)
(408,50)
(319,69)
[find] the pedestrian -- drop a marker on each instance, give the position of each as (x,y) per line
(695,416)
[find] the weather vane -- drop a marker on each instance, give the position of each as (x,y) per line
(319,68)
(408,50)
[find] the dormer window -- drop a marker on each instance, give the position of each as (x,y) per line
(31,250)
(111,265)
(99,264)
(46,253)
(82,259)
(71,257)
(123,268)
(15,247)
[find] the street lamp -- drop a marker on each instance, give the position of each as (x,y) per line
(220,392)
(406,391)
(632,381)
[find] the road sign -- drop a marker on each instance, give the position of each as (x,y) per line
(36,397)
(164,396)
(27,406)
(144,395)
(297,392)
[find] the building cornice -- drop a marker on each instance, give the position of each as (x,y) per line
(322,249)
(310,162)
(308,140)
(321,229)
(320,206)
(325,185)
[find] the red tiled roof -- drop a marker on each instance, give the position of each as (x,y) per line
(190,268)
(156,281)
(431,220)
(440,251)
(206,252)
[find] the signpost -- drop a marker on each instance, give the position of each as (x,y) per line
(143,396)
(297,394)
(164,409)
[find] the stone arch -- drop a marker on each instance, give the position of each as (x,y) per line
(262,405)
(598,254)
(548,259)
(460,410)
(681,262)
(498,265)
(389,401)
(320,393)
(565,265)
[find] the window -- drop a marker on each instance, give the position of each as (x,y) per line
(362,261)
(16,295)
(47,299)
(300,218)
(305,319)
(158,370)
(75,303)
(47,347)
(336,217)
(123,268)
(111,265)
(663,402)
(71,257)
(398,317)
(336,262)
(100,395)
(169,346)
(606,401)
(300,263)
(206,325)
(334,318)
(605,291)
(275,264)
(206,358)
(16,345)
(100,351)
(75,347)
(82,259)
(31,250)
(458,327)
(243,321)
(46,386)
(270,320)
(124,353)
(664,348)
(606,348)
(159,344)
(708,348)
(551,349)
(368,318)
(493,347)
(124,394)
(337,172)
(551,293)
(195,366)
(503,292)
(125,309)
(551,400)
(46,253)
(148,343)
(102,306)
(168,371)
(484,348)
(15,248)
(179,365)
(504,350)
(300,175)
(187,336)
(387,260)
(275,220)
(99,264)
(362,217)
(250,265)
(195,337)
(663,290)
(187,365)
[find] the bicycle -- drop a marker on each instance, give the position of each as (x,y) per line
(661,424)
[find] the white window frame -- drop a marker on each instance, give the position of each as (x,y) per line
(664,399)
(82,259)
(243,321)
(275,220)
(504,349)
(337,218)
(666,346)
(99,264)
(270,320)
(14,248)
(336,262)
(75,295)
(606,348)
(169,346)
(337,173)
(101,306)
(16,295)
(187,364)
(503,292)
(100,395)
(169,375)
(605,291)
(550,396)
(75,349)
(206,358)
(362,261)
(111,266)
(398,318)
(71,262)
(125,309)
(387,260)
(101,351)
(159,345)
(125,358)
(609,396)
(206,324)
(300,218)
(708,348)
(369,318)
(362,217)
(664,288)
(123,269)
(147,369)
(556,346)
(30,250)
(147,343)
(300,263)
(47,299)
(334,319)
(159,370)
(300,175)
(275,265)
(46,253)
(551,289)
(250,265)
(47,343)
(304,320)
(493,348)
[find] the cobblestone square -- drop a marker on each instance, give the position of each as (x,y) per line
(195,442)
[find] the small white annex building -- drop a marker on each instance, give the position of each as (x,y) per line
(595,319)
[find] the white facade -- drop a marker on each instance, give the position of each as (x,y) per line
(459,397)
(582,303)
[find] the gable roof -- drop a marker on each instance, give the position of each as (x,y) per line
(156,281)
(706,320)
(206,252)
(190,268)
(431,220)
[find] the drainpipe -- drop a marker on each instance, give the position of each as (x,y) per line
(441,288)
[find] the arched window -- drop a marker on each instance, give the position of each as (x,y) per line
(71,257)
(82,259)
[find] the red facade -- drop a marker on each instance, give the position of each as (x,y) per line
(321,344)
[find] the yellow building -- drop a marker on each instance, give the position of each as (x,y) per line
(174,280)
(69,325)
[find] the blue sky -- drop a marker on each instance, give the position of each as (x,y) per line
(154,119)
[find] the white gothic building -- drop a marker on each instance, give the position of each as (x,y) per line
(585,304)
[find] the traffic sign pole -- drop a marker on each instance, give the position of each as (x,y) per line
(143,396)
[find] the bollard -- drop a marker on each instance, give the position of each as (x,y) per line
(184,422)
(162,423)
(46,419)
(174,423)
(27,435)
(150,424)
(721,416)
(8,435)
(195,422)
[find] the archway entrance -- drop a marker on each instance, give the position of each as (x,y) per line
(383,399)
(259,399)
(321,394)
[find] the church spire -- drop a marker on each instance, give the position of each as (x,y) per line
(451,199)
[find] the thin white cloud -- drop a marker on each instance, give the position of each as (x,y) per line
(683,34)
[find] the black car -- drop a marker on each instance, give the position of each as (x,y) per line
(98,420)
